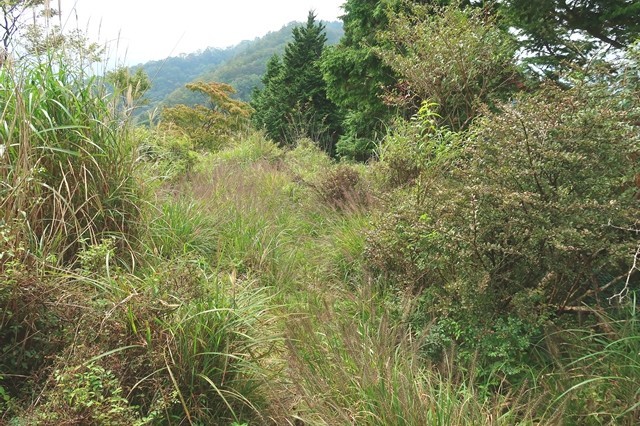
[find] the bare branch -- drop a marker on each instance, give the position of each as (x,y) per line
(625,290)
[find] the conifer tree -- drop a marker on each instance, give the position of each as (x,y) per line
(293,102)
(558,33)
(356,78)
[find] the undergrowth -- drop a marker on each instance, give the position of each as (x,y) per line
(145,282)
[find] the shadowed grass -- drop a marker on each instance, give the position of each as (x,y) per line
(352,365)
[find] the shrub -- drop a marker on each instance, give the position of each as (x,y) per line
(85,395)
(171,155)
(457,58)
(534,217)
(341,187)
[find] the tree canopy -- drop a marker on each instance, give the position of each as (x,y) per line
(557,32)
(208,126)
(294,103)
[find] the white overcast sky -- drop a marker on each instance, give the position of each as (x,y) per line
(142,30)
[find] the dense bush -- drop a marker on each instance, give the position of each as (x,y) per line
(534,216)
(457,58)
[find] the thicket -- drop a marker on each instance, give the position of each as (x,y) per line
(482,270)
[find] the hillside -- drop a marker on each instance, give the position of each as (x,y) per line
(241,66)
(414,227)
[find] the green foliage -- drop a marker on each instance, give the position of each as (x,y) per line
(212,126)
(478,276)
(130,86)
(557,33)
(293,103)
(356,78)
(456,58)
(532,216)
(67,164)
(88,395)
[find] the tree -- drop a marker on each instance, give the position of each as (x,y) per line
(294,103)
(209,126)
(561,32)
(39,38)
(11,22)
(270,103)
(457,59)
(356,78)
(529,215)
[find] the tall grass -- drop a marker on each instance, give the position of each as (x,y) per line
(66,184)
(598,377)
(356,366)
(248,243)
(213,354)
(67,162)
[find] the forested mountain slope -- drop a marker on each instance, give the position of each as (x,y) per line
(242,66)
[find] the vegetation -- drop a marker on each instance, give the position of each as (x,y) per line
(293,103)
(240,66)
(208,126)
(356,78)
(480,268)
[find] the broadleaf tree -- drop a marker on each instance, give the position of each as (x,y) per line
(209,127)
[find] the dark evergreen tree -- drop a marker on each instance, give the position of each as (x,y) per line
(293,102)
(356,78)
(270,104)
(563,32)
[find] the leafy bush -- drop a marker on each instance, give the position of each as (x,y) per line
(89,395)
(457,58)
(172,156)
(534,217)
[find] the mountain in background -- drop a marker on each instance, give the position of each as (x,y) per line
(241,66)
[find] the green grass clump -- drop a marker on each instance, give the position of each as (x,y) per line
(181,226)
(68,163)
(597,369)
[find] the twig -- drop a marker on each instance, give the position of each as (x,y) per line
(625,290)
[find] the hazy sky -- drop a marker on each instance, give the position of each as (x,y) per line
(142,30)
